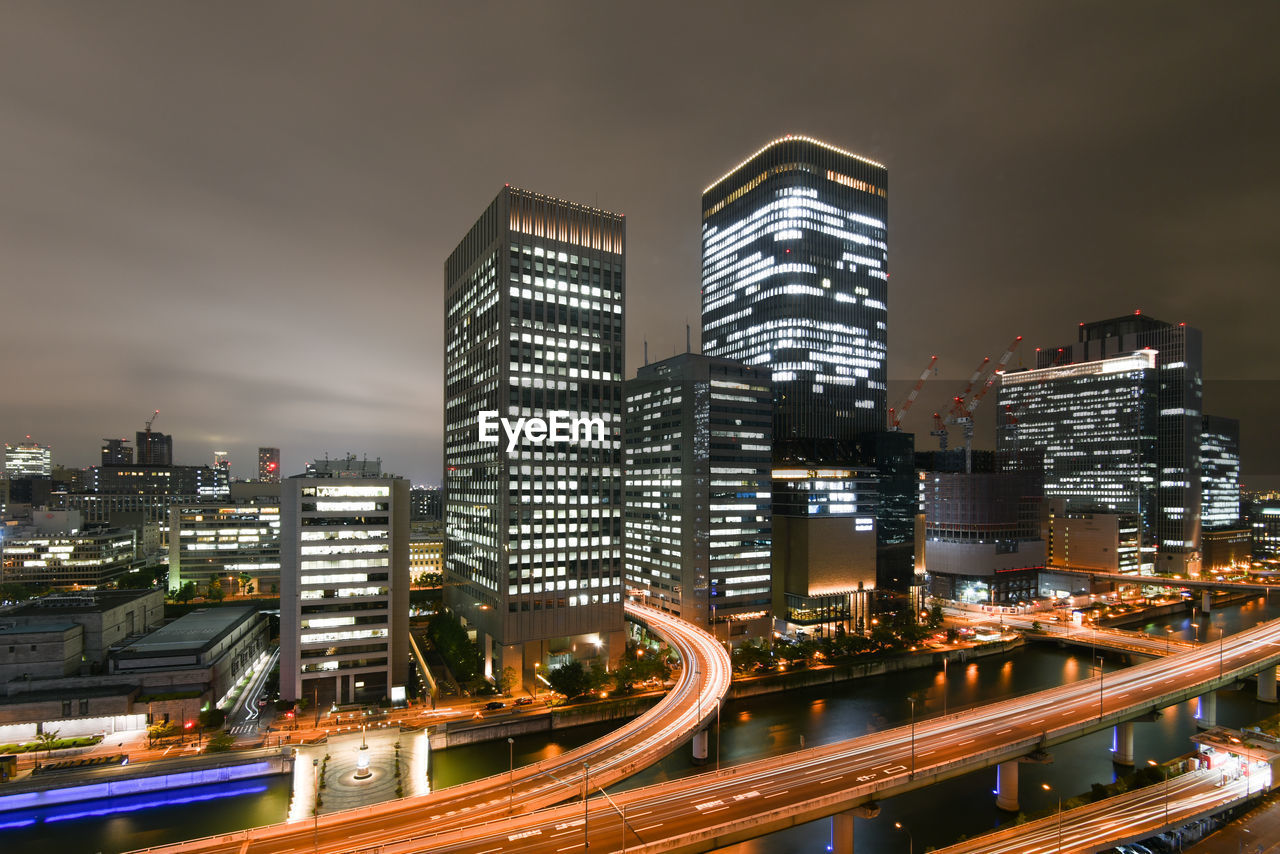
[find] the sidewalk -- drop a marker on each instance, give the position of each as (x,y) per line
(1256,833)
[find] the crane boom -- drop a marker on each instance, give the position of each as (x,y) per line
(896,415)
(973,402)
(152,419)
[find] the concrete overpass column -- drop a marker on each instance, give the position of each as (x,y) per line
(1007,786)
(1122,744)
(1267,684)
(1207,716)
(700,747)
(842,826)
(1206,600)
(842,833)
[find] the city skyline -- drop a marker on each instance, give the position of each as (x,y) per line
(184,223)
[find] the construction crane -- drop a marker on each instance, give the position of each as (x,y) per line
(896,415)
(940,423)
(152,420)
(962,412)
(939,430)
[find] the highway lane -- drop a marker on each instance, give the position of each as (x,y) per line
(714,809)
(703,680)
(1129,817)
(1104,638)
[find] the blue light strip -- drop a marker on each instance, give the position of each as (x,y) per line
(246,789)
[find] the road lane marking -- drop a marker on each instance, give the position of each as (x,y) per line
(524,834)
(776,794)
(830,779)
(707,805)
(650,827)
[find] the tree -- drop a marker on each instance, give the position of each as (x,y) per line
(185,593)
(212,718)
(46,740)
(215,590)
(506,680)
(245,579)
(160,731)
(220,743)
(570,679)
(935,616)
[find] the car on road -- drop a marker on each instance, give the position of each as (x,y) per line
(496,704)
(524,701)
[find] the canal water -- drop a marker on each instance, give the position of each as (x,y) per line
(770,725)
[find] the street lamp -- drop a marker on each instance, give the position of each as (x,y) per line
(944,685)
(1049,788)
(911,845)
(1102,675)
(511,774)
(1168,635)
(912,701)
(1165,773)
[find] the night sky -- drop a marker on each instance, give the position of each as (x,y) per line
(238,213)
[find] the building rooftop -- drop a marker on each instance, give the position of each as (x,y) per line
(39,628)
(190,633)
(78,603)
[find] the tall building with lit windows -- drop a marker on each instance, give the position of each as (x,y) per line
(344,585)
(28,459)
(795,279)
(698,450)
(269,465)
(1220,473)
(533,331)
(1172,419)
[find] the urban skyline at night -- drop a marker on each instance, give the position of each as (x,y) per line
(1062,190)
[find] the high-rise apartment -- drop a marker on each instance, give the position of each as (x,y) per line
(269,465)
(533,417)
(344,585)
(698,450)
(795,279)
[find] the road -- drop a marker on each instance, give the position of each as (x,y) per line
(1103,638)
(1129,817)
(701,685)
(1166,581)
(715,809)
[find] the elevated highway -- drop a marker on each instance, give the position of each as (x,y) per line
(716,809)
(702,683)
(1206,584)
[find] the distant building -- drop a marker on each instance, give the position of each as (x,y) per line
(27,459)
(426,556)
(117,452)
(1220,473)
(533,322)
(344,565)
(269,465)
(697,445)
(154,448)
(88,558)
(1264,526)
(426,504)
(239,544)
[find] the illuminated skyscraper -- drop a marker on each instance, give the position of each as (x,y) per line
(795,278)
(698,463)
(1220,473)
(28,459)
(533,330)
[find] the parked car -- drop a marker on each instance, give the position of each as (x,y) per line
(524,701)
(496,704)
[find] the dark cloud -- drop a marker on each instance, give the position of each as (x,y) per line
(238,212)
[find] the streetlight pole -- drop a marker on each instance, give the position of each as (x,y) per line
(944,685)
(1102,675)
(912,700)
(315,806)
(1049,788)
(911,845)
(586,792)
(719,703)
(511,774)
(1165,774)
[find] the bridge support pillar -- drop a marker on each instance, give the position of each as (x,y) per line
(1206,600)
(1267,684)
(700,747)
(1007,786)
(842,826)
(1207,715)
(1122,744)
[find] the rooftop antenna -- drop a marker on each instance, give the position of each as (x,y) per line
(646,351)
(688,347)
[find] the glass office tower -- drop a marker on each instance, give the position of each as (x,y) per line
(1220,473)
(533,533)
(795,277)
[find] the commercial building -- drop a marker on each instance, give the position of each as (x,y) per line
(533,330)
(238,544)
(426,504)
(1220,473)
(795,278)
(269,465)
(983,539)
(1095,423)
(107,618)
(426,557)
(697,444)
(27,459)
(1264,527)
(79,558)
(1172,408)
(116,452)
(154,448)
(344,603)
